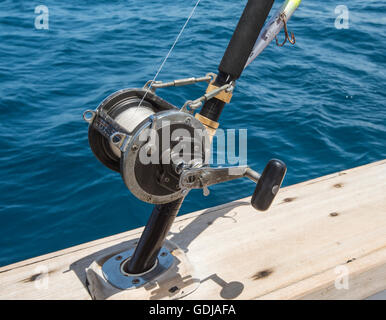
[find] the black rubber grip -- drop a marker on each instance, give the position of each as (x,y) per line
(268,184)
(244,37)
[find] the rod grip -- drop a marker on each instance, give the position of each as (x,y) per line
(244,37)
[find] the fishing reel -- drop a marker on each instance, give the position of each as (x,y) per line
(137,133)
(162,152)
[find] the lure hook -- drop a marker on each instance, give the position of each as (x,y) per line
(291,40)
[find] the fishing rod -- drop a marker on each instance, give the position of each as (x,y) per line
(140,135)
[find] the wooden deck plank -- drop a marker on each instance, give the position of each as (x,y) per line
(314,230)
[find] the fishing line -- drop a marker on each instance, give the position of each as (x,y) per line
(170,51)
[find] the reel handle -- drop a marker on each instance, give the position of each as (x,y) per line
(268,184)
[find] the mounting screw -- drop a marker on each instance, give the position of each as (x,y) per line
(118,258)
(134,147)
(163,254)
(135,281)
(173,289)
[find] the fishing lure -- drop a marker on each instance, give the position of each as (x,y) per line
(273,27)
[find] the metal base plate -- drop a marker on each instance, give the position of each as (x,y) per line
(162,282)
(113,269)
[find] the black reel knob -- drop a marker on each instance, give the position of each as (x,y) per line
(268,184)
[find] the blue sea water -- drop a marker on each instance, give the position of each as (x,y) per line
(318,105)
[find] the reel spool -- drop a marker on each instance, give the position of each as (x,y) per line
(149,141)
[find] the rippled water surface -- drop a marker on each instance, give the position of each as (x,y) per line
(318,105)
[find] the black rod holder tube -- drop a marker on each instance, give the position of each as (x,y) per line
(153,237)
